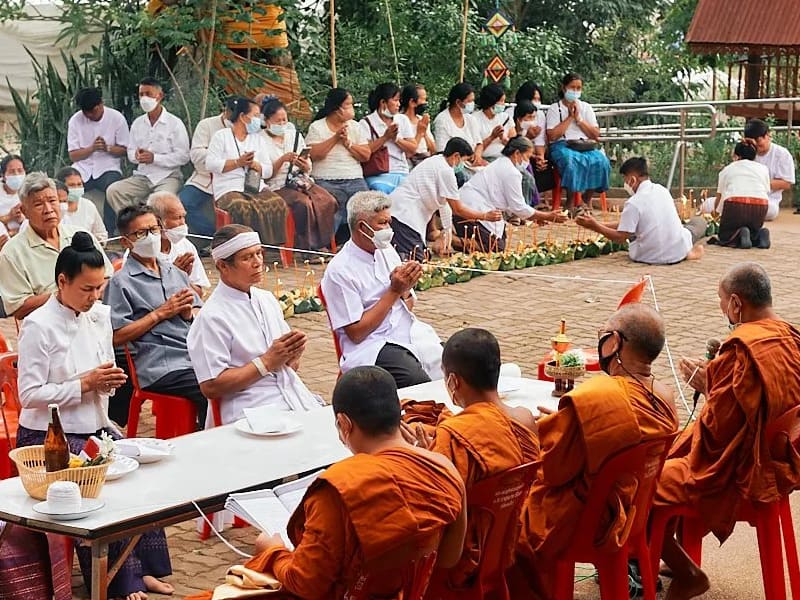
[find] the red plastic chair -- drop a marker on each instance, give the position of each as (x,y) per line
(287,252)
(576,196)
(222,217)
(174,415)
(642,462)
(336,345)
(9,409)
(772,521)
(501,499)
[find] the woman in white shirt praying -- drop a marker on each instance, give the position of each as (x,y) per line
(242,350)
(77,210)
(12,171)
(499,187)
(414,110)
(455,120)
(239,161)
(495,125)
(66,358)
(568,121)
(312,207)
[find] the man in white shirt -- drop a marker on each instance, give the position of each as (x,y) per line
(650,221)
(242,350)
(432,187)
(175,248)
(97,139)
(159,145)
(369,298)
(776,158)
(197,195)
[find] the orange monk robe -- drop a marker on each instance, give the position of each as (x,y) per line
(358,510)
(481,441)
(594,421)
(725,455)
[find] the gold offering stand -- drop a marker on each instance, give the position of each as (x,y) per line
(564,377)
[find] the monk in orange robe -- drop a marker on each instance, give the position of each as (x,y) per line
(485,439)
(724,456)
(594,421)
(388,498)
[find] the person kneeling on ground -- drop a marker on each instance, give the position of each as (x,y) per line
(650,221)
(388,499)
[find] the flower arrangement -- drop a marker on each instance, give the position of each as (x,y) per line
(97,451)
(573,358)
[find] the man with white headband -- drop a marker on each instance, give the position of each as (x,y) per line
(369,298)
(175,247)
(242,350)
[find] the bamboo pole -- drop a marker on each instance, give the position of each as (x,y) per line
(463,40)
(391,37)
(333,44)
(209,58)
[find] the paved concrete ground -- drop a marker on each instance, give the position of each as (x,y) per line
(523,309)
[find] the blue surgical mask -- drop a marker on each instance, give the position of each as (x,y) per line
(499,109)
(571,95)
(74,194)
(459,167)
(277,129)
(386,113)
(254,125)
(468,108)
(14,182)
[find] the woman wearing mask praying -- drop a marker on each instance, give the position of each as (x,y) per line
(495,125)
(414,111)
(380,128)
(312,207)
(456,120)
(499,187)
(12,170)
(524,121)
(239,160)
(337,150)
(569,120)
(77,210)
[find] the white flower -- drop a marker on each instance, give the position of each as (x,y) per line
(573,358)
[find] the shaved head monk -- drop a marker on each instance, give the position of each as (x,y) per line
(483,440)
(724,456)
(597,419)
(388,499)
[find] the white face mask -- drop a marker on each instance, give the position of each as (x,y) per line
(628,188)
(64,208)
(148,247)
(537,104)
(176,234)
(387,113)
(277,129)
(147,103)
(74,194)
(527,124)
(468,108)
(14,182)
(382,238)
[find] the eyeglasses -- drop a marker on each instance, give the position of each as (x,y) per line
(140,234)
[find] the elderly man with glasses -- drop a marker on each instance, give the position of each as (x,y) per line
(152,307)
(28,260)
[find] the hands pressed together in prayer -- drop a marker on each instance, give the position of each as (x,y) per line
(285,351)
(391,132)
(246,160)
(144,157)
(694,373)
(185,262)
(180,303)
(416,435)
(405,277)
(103,379)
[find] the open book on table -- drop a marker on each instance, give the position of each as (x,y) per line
(270,510)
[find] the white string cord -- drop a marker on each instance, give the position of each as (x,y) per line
(218,534)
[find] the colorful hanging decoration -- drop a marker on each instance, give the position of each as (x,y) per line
(497,70)
(496,26)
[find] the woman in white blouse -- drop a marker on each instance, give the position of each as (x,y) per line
(570,121)
(66,358)
(239,161)
(313,208)
(499,187)
(77,210)
(455,120)
(414,111)
(495,125)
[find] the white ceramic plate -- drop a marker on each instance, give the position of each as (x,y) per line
(292,426)
(163,449)
(121,466)
(88,505)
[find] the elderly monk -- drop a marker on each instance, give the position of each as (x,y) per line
(594,421)
(725,457)
(28,261)
(386,499)
(241,347)
(483,440)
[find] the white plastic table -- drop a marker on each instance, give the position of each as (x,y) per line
(207,466)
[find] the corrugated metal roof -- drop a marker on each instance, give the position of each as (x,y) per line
(745,25)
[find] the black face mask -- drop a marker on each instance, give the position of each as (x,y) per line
(421,109)
(604,361)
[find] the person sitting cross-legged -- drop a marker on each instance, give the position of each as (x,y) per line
(597,419)
(242,349)
(152,307)
(388,499)
(369,298)
(483,440)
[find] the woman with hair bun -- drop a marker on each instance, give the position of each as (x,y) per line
(66,358)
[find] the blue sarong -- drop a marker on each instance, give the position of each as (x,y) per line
(581,171)
(385,182)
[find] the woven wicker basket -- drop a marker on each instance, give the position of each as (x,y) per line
(35,480)
(556,372)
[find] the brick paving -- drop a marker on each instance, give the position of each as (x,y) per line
(523,309)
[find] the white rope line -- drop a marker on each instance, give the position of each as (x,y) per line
(217,533)
(537,275)
(671,361)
